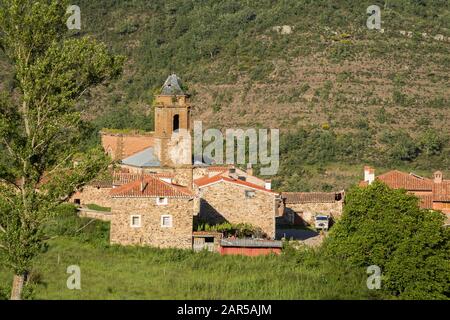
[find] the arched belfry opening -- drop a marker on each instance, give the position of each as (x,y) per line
(176,123)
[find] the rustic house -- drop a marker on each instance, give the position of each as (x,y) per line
(225,199)
(153,212)
(433,193)
(300,208)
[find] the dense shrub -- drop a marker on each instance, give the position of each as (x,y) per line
(385,227)
(67,223)
(240,230)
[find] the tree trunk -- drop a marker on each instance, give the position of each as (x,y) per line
(17,287)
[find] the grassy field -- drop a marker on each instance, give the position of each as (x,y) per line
(111,272)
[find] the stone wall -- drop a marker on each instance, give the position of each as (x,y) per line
(98,215)
(306,211)
(92,195)
(151,232)
(226,202)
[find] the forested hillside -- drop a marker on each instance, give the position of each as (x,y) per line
(342,95)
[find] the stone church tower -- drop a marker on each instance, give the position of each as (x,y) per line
(172,136)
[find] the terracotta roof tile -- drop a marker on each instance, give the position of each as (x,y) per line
(121,178)
(153,187)
(400,180)
(441,191)
(436,191)
(220,169)
(310,197)
(204,181)
(426,201)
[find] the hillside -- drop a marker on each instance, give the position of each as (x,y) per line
(358,96)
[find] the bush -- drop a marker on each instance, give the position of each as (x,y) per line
(4,293)
(68,223)
(240,230)
(385,227)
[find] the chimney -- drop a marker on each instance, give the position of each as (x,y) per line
(268,184)
(249,169)
(438,177)
(369,174)
(232,172)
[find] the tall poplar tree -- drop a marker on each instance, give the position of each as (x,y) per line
(40,123)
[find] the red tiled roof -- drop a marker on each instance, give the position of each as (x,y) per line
(118,178)
(218,168)
(435,191)
(400,180)
(309,197)
(441,191)
(153,187)
(204,181)
(426,201)
(121,178)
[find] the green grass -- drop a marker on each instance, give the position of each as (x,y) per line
(93,206)
(113,272)
(117,272)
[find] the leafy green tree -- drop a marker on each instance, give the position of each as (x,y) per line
(40,124)
(385,227)
(401,146)
(431,143)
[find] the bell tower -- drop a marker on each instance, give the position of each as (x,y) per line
(173,125)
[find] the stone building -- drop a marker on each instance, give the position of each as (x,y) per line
(168,148)
(94,193)
(99,191)
(433,193)
(152,195)
(225,199)
(152,212)
(300,208)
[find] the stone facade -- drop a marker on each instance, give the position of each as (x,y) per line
(151,232)
(304,213)
(104,216)
(227,202)
(92,195)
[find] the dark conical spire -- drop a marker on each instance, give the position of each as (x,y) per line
(172,86)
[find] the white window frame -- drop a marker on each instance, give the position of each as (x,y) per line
(164,202)
(132,218)
(162,221)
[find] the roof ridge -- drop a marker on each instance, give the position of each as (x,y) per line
(153,182)
(217,178)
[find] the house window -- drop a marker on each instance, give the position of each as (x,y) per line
(249,194)
(135,221)
(166,221)
(162,201)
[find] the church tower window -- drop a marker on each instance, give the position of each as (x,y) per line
(176,123)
